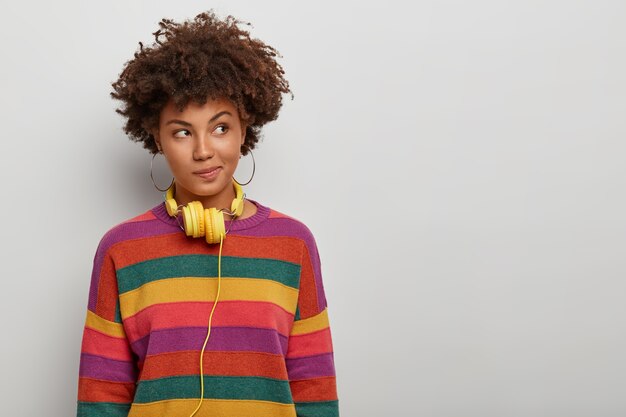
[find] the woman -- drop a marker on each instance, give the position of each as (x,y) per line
(207,282)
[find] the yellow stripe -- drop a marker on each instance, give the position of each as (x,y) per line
(211,407)
(312,324)
(204,289)
(107,327)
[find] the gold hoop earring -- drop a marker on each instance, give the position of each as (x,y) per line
(253,167)
(156,186)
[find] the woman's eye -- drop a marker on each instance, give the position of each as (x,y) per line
(223,126)
(176,133)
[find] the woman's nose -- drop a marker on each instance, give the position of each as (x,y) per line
(203,148)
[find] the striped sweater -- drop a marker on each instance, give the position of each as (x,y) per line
(151,293)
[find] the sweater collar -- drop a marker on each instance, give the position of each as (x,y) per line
(262,213)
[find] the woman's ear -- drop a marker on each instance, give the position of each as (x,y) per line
(157,140)
(243,133)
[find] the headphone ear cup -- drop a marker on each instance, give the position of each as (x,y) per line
(170,201)
(193,219)
(170,205)
(197,218)
(237,206)
(214,225)
(200,223)
(187,220)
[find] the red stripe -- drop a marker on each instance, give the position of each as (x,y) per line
(107,289)
(96,390)
(215,363)
(317,389)
(307,300)
(310,344)
(133,251)
(260,314)
(101,344)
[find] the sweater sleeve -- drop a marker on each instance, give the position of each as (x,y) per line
(107,370)
(310,360)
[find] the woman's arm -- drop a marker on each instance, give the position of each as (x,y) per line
(108,371)
(310,360)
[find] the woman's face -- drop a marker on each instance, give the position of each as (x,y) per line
(202,137)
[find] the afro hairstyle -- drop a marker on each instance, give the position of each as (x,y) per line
(200,59)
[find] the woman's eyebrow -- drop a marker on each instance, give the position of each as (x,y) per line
(184,123)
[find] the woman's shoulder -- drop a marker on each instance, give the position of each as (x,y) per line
(287,224)
(142,224)
(287,218)
(154,221)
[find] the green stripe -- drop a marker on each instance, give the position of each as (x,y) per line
(226,387)
(318,409)
(118,314)
(199,265)
(102,409)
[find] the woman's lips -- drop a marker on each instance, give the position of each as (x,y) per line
(210,175)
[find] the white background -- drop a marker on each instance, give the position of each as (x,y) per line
(461,165)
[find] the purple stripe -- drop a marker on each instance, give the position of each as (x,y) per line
(93,366)
(118,233)
(311,366)
(221,338)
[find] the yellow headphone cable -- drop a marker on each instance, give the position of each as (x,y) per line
(208,223)
(219,278)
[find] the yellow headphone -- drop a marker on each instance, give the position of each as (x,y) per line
(204,222)
(208,222)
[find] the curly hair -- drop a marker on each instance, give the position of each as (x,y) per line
(201,59)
